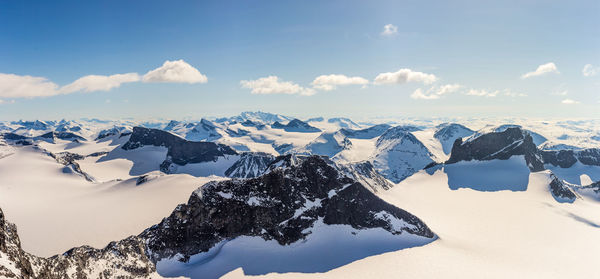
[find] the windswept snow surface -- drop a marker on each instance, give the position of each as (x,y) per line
(56,211)
(326,248)
(503,234)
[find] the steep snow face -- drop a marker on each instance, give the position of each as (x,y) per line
(327,144)
(447,133)
(399,154)
(367,133)
(491,175)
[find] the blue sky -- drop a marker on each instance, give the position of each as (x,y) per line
(460,58)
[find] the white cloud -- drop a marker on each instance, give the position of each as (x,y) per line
(404,76)
(541,70)
(589,70)
(389,30)
(15,86)
(569,102)
(561,93)
(272,85)
(330,82)
(435,92)
(92,83)
(508,92)
(482,93)
(175,71)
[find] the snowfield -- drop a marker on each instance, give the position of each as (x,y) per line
(502,234)
(38,196)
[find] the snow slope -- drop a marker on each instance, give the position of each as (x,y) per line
(502,234)
(38,196)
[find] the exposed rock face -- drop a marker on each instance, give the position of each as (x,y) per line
(296,125)
(560,191)
(116,130)
(250,164)
(62,135)
(123,259)
(281,205)
(69,159)
(567,158)
(498,145)
(399,154)
(365,173)
(282,148)
(180,151)
(367,133)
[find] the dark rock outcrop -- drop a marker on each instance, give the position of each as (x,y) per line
(498,145)
(296,125)
(567,158)
(365,173)
(560,191)
(281,205)
(180,151)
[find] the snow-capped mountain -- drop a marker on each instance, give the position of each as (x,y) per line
(367,133)
(180,152)
(447,133)
(497,144)
(328,144)
(296,125)
(400,154)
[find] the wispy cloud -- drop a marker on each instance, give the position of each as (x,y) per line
(177,71)
(569,102)
(404,76)
(272,85)
(389,30)
(482,93)
(93,83)
(589,70)
(510,93)
(330,82)
(542,70)
(435,92)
